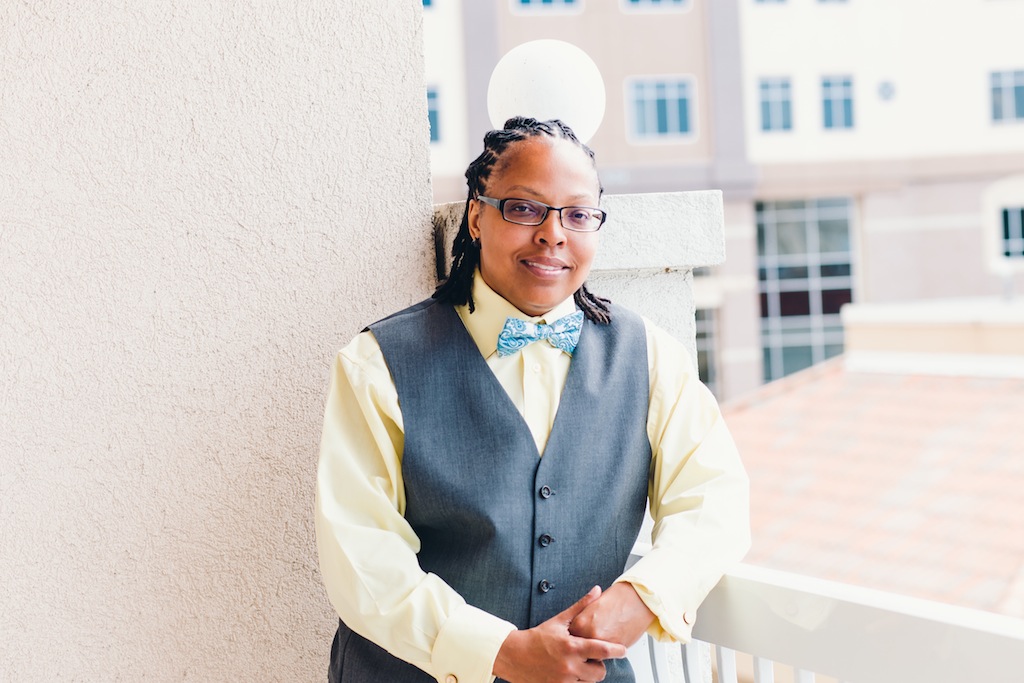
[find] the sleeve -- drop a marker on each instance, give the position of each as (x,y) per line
(367,549)
(699,493)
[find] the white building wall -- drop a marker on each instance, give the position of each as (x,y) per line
(199,203)
(937,56)
(446,71)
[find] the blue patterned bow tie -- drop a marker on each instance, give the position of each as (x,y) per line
(563,334)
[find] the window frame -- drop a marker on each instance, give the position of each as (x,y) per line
(1012,237)
(633,136)
(1011,96)
(706,341)
(655,6)
(434,113)
(828,102)
(537,7)
(820,332)
(775,84)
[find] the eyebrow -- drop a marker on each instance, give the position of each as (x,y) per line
(523,188)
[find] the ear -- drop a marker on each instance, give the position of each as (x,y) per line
(473,220)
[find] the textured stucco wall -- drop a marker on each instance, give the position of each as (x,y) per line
(199,203)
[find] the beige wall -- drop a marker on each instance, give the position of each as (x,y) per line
(199,203)
(674,44)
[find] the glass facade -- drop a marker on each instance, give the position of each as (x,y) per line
(805,276)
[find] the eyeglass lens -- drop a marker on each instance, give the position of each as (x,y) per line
(526,212)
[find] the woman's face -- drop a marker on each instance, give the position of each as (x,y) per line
(536,267)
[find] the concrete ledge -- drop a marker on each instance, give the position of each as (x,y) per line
(644,232)
(649,247)
(967,326)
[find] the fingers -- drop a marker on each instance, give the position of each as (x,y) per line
(592,671)
(567,615)
(592,649)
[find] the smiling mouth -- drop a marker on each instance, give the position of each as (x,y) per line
(545,267)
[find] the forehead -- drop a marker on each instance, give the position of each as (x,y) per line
(549,167)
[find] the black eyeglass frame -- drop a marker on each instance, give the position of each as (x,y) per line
(499,204)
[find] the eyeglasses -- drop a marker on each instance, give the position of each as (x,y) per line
(530,212)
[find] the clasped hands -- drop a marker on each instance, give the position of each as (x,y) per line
(572,645)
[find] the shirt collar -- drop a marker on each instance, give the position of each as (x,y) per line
(491,310)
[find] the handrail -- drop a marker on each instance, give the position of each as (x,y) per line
(858,635)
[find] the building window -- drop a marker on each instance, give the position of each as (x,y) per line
(706,356)
(1013,233)
(837,100)
(776,104)
(427,3)
(769,2)
(804,269)
(432,114)
(546,3)
(1008,96)
(656,4)
(661,108)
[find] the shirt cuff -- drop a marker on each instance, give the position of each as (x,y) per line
(467,645)
(669,625)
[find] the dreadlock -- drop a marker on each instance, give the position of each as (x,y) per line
(457,288)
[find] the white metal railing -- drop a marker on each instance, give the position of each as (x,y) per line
(821,630)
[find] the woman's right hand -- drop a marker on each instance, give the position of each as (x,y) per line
(548,653)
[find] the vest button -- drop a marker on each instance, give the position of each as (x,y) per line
(544,586)
(546,492)
(545,540)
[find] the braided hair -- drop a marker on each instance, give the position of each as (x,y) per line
(457,288)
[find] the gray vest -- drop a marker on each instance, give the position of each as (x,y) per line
(517,535)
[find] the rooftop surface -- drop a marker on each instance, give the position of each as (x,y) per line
(907,483)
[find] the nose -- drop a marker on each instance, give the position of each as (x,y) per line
(551,232)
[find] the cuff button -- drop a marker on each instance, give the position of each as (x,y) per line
(451,678)
(689,617)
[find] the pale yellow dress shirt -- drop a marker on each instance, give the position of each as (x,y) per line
(698,493)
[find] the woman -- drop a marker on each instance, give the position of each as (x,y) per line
(478,492)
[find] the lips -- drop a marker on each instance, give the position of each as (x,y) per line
(545,265)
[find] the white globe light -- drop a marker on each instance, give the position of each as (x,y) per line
(548,79)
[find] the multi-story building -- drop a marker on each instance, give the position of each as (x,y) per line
(867,151)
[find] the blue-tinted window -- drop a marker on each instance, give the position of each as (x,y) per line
(776,104)
(1013,233)
(427,3)
(535,3)
(657,3)
(432,114)
(662,108)
(837,101)
(707,357)
(1008,96)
